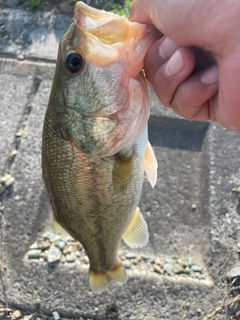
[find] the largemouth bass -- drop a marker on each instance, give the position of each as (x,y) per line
(95,147)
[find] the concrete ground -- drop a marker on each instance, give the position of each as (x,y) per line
(188,270)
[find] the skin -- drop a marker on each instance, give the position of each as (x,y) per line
(184,79)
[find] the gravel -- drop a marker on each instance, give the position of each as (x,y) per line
(52,248)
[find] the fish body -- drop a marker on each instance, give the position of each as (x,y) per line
(95,147)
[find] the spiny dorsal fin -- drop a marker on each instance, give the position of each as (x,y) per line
(136,234)
(150,165)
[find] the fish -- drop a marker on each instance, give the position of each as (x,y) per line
(95,148)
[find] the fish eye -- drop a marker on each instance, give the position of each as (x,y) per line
(74,61)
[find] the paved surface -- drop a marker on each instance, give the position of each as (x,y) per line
(193,212)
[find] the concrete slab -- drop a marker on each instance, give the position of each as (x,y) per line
(15,94)
(33,34)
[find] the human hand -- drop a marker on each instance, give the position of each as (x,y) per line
(182,77)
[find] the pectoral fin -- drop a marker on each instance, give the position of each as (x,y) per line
(99,281)
(136,234)
(150,165)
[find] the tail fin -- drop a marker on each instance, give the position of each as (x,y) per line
(99,281)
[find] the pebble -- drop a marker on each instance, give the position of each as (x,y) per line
(130,255)
(127,264)
(189,262)
(33,246)
(43,245)
(60,244)
(2,21)
(49,236)
(78,254)
(194,206)
(160,261)
(187,270)
(233,273)
(56,315)
(85,260)
(157,269)
(20,57)
(7,180)
(178,268)
(15,315)
(70,257)
(54,255)
(168,268)
(196,268)
(197,275)
(34,254)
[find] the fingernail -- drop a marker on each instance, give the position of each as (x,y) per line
(174,65)
(167,48)
(210,76)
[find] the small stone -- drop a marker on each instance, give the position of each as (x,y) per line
(168,268)
(38,301)
(195,268)
(70,257)
(29,317)
(194,206)
(78,254)
(60,244)
(43,245)
(187,270)
(130,255)
(85,260)
(18,134)
(7,180)
(127,264)
(13,154)
(160,261)
(178,268)
(68,249)
(54,255)
(197,275)
(33,246)
(17,198)
(199,311)
(16,314)
(189,262)
(135,262)
(20,57)
(157,269)
(2,21)
(56,315)
(49,236)
(236,190)
(34,254)
(233,273)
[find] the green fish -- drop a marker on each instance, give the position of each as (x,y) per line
(95,147)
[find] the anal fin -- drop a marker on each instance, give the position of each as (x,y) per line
(136,234)
(99,281)
(150,165)
(57,227)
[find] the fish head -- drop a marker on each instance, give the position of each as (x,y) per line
(99,94)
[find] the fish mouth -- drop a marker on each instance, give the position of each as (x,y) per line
(111,37)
